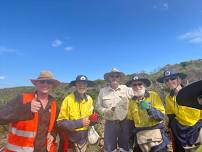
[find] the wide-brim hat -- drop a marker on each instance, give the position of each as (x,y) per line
(82,78)
(46,75)
(114,71)
(188,95)
(170,73)
(141,78)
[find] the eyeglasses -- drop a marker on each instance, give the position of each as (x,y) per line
(137,84)
(170,78)
(115,76)
(45,81)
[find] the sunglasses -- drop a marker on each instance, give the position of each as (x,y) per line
(45,81)
(170,78)
(115,76)
(137,84)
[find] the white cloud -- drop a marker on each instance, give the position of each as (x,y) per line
(161,6)
(6,50)
(165,5)
(2,77)
(68,48)
(194,36)
(56,43)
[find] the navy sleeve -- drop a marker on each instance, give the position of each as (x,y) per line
(156,114)
(70,124)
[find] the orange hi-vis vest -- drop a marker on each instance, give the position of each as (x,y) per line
(22,134)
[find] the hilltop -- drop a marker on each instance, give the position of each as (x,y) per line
(192,68)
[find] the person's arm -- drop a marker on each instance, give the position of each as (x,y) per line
(70,124)
(99,105)
(15,111)
(157,110)
(63,120)
(155,114)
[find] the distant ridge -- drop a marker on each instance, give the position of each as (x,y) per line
(192,68)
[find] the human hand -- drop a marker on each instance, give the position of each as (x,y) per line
(86,122)
(35,105)
(144,105)
(50,139)
(113,109)
(108,112)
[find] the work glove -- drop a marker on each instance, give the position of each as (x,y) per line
(144,105)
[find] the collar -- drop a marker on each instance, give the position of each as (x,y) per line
(78,98)
(173,92)
(110,88)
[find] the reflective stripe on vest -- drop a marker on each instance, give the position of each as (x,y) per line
(22,134)
(28,134)
(19,148)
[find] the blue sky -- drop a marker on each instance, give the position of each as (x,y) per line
(71,37)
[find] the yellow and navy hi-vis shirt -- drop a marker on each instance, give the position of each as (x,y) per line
(184,115)
(74,110)
(141,117)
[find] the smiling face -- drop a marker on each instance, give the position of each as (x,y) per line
(138,88)
(44,86)
(81,87)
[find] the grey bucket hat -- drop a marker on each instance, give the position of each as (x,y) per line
(113,71)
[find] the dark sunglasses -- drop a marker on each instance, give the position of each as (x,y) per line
(170,78)
(137,84)
(45,81)
(114,76)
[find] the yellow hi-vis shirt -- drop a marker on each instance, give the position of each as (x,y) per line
(141,117)
(184,115)
(74,110)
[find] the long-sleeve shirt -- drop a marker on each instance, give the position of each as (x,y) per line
(70,119)
(15,111)
(150,117)
(117,98)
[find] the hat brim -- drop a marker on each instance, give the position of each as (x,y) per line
(106,75)
(89,83)
(181,75)
(188,95)
(147,82)
(55,83)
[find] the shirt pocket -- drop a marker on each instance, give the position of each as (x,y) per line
(108,101)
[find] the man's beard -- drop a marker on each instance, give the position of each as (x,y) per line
(139,93)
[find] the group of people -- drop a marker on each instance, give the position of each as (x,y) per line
(134,116)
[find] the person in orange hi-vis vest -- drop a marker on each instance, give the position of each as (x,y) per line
(32,118)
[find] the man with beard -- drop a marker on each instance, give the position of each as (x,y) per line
(113,102)
(146,112)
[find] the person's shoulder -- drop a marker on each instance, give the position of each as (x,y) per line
(104,89)
(154,93)
(69,96)
(89,97)
(124,87)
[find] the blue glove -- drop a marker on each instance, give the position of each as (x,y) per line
(144,105)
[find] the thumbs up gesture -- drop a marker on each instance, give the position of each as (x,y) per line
(35,105)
